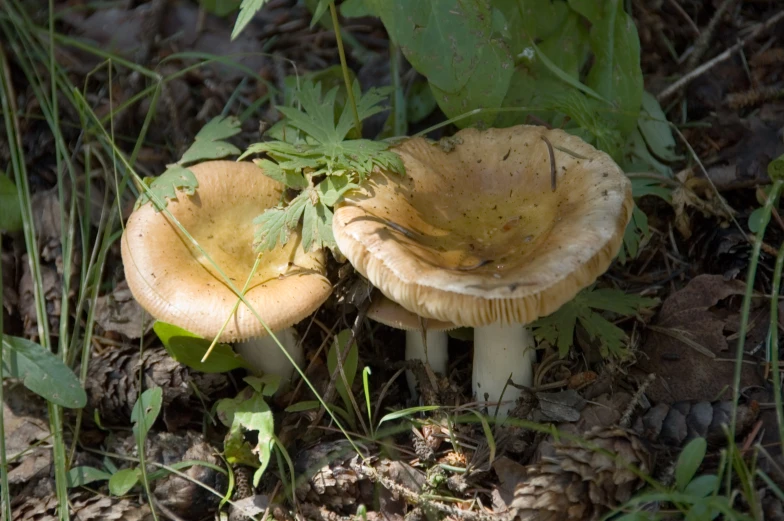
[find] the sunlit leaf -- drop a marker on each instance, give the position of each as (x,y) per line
(188,349)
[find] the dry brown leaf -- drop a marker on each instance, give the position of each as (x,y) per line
(697,193)
(685,341)
(25,428)
(118,311)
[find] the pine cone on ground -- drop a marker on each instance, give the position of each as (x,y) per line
(580,484)
(113,384)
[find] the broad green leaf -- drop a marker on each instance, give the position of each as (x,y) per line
(702,486)
(452,44)
(10,211)
(188,349)
(209,144)
(642,186)
(420,102)
(638,157)
(355,9)
(123,481)
(79,476)
(248,10)
(776,169)
(248,412)
(526,20)
(175,178)
(145,412)
(654,127)
(349,366)
(755,220)
(266,385)
(615,74)
(42,372)
(405,413)
(689,461)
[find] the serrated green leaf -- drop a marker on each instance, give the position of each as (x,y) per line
(42,372)
(636,232)
(80,476)
(123,481)
(248,10)
(275,224)
(10,211)
(317,227)
(607,299)
(165,187)
(612,338)
(188,349)
(332,189)
(145,412)
(689,461)
(209,144)
(290,177)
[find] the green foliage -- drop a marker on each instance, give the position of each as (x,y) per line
(314,155)
(249,412)
(189,349)
(42,372)
(558,328)
(350,364)
(776,169)
(248,10)
(80,476)
(220,7)
(689,462)
(124,480)
(10,210)
(208,144)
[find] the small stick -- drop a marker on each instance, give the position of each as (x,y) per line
(635,401)
(705,67)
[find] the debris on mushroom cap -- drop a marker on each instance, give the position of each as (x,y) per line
(392,314)
(505,228)
(176,283)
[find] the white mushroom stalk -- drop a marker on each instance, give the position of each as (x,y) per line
(264,356)
(501,229)
(426,339)
(501,353)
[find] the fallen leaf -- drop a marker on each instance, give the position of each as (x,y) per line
(118,311)
(690,334)
(696,193)
(25,428)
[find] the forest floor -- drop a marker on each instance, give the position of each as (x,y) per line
(695,261)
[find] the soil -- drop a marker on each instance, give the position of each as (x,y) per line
(677,384)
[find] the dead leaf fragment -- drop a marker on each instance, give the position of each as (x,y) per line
(119,312)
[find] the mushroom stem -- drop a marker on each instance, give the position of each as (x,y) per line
(498,352)
(435,353)
(265,356)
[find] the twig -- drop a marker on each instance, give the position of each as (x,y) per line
(635,401)
(701,45)
(705,67)
(686,16)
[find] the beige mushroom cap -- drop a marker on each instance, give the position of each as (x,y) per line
(175,283)
(476,235)
(392,314)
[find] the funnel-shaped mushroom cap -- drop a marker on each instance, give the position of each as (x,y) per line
(392,314)
(174,282)
(477,235)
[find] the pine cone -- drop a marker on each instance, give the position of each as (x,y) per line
(113,384)
(332,482)
(41,505)
(579,483)
(677,424)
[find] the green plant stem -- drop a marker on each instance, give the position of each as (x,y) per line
(5,491)
(774,340)
(744,317)
(344,66)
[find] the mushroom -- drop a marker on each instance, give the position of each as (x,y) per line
(176,283)
(426,340)
(494,233)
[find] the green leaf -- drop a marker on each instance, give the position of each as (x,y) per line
(636,232)
(290,178)
(305,405)
(220,7)
(145,412)
(209,144)
(79,476)
(654,127)
(564,76)
(642,186)
(452,44)
(689,461)
(558,328)
(349,367)
(248,9)
(319,11)
(702,486)
(420,102)
(248,412)
(405,413)
(616,74)
(776,169)
(10,211)
(166,185)
(275,225)
(355,9)
(42,372)
(188,349)
(123,481)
